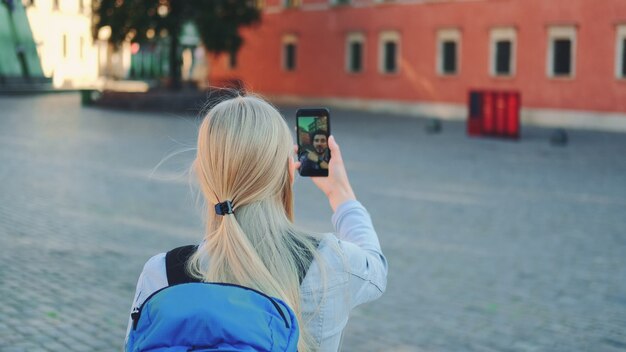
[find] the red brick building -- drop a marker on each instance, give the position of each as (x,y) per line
(566,57)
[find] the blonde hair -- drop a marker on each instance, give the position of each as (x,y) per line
(244,146)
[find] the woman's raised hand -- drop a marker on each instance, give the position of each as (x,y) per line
(336,186)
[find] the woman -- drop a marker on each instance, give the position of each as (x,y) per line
(245,158)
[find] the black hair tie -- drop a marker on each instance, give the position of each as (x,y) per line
(224,208)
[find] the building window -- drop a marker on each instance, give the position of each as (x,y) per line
(390,56)
(449,57)
(562,62)
(503,57)
(448,51)
(290,46)
(340,2)
(503,43)
(232,60)
(623,60)
(291,3)
(80,47)
(64,46)
(561,51)
(623,71)
(290,56)
(354,52)
(620,59)
(389,52)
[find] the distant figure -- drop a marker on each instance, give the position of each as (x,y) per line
(187,57)
(319,157)
(199,70)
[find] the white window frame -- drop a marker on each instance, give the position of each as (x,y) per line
(384,37)
(500,34)
(561,32)
(446,35)
(289,39)
(620,36)
(355,37)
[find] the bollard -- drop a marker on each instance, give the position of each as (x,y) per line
(89,96)
(433,126)
(558,137)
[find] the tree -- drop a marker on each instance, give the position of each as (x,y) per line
(218,23)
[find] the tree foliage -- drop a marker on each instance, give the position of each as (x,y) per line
(218,21)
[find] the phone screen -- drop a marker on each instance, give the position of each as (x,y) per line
(313,130)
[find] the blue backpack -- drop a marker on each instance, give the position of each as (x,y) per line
(189,315)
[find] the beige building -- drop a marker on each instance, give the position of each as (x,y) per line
(62,33)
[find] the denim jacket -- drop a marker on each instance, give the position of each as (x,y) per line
(353,270)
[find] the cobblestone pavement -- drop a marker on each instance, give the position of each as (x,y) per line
(493,245)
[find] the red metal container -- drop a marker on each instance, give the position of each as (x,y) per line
(494,113)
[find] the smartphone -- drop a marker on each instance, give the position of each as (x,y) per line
(313,130)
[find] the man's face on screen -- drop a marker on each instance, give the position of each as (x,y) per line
(320,143)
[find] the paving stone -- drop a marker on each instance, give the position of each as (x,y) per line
(54,346)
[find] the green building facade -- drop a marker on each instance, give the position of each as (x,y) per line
(150,60)
(20,67)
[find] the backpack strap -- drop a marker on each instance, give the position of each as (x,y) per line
(175,265)
(304,267)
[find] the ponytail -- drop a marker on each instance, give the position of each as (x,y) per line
(243,150)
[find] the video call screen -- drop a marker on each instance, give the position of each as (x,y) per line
(313,152)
